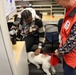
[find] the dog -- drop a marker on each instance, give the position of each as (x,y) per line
(41,59)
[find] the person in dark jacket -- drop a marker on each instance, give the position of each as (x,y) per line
(33,31)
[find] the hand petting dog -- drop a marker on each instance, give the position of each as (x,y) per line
(37,52)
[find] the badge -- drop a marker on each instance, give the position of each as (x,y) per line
(67,24)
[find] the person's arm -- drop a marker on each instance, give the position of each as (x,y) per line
(70,43)
(41,31)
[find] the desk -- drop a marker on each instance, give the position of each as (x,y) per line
(51,18)
(20,57)
(11,20)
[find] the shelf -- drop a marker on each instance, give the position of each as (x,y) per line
(18,6)
(51,8)
(57,9)
(41,8)
(41,5)
(55,4)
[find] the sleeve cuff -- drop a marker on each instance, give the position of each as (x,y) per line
(39,46)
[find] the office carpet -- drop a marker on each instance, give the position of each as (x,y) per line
(34,71)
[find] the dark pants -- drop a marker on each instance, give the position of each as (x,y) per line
(30,41)
(68,70)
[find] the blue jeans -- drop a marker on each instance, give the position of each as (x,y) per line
(68,70)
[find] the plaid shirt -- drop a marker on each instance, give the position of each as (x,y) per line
(70,43)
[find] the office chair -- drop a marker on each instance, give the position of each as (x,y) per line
(51,42)
(52,36)
(39,14)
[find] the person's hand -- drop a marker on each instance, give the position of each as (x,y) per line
(56,52)
(37,51)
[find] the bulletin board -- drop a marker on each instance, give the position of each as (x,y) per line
(9,6)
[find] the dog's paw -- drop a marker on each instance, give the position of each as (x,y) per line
(54,72)
(49,74)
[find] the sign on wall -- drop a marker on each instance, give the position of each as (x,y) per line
(9,6)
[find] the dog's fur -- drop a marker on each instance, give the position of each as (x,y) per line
(41,59)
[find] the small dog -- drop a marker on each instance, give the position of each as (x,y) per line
(41,59)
